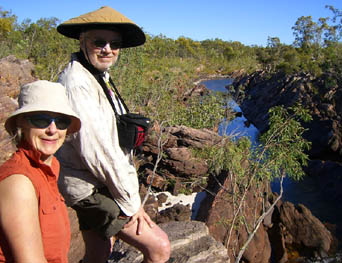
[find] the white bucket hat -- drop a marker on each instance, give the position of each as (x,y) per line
(43,95)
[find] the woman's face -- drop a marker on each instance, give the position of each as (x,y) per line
(101,47)
(46,140)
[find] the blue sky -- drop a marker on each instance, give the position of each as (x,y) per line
(250,22)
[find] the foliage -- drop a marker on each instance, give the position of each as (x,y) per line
(282,152)
(283,145)
(282,149)
(7,21)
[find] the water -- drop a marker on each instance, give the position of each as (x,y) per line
(235,128)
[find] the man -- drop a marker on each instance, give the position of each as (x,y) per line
(97,177)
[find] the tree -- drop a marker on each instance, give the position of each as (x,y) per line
(335,31)
(7,21)
(308,32)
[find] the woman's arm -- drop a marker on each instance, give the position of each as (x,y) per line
(19,219)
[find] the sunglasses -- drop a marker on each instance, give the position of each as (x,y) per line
(43,121)
(114,44)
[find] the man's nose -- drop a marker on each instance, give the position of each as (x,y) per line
(107,47)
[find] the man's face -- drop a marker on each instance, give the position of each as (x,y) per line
(101,47)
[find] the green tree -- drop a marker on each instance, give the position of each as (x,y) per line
(7,22)
(308,32)
(334,33)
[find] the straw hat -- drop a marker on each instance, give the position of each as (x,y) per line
(43,95)
(104,18)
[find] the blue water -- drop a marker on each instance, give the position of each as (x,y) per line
(235,128)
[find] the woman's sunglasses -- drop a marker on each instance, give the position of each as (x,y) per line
(43,121)
(100,43)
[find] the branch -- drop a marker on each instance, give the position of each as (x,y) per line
(261,218)
(159,157)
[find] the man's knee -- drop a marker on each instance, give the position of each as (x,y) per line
(162,253)
(166,248)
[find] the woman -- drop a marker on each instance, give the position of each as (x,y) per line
(34,225)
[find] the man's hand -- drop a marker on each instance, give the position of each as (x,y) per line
(141,217)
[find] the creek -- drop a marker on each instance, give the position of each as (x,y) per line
(305,191)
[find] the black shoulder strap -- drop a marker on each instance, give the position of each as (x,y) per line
(99,76)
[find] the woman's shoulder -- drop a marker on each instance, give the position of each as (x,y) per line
(16,187)
(18,164)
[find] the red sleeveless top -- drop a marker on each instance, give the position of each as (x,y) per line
(53,215)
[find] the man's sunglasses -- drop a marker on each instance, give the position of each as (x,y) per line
(100,43)
(43,121)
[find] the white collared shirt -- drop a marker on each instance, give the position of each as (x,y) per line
(92,157)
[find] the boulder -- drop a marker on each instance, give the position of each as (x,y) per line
(190,243)
(77,248)
(217,211)
(178,163)
(295,227)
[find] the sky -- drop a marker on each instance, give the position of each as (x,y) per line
(250,22)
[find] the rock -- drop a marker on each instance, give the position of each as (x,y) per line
(178,212)
(178,163)
(190,243)
(181,162)
(304,231)
(217,211)
(262,92)
(77,248)
(162,198)
(13,74)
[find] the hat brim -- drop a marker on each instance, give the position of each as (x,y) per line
(131,34)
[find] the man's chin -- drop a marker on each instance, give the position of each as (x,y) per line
(103,67)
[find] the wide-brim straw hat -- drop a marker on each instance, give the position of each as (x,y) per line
(43,95)
(104,18)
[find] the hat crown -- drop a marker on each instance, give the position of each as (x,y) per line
(104,18)
(43,95)
(105,14)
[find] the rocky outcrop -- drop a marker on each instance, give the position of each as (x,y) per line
(286,227)
(260,91)
(178,163)
(295,227)
(13,74)
(217,211)
(190,243)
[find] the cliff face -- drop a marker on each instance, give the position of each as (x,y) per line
(321,96)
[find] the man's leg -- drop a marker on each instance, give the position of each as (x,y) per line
(97,250)
(152,242)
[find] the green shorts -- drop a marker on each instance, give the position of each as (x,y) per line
(100,213)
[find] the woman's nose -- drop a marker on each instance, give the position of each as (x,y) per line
(52,129)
